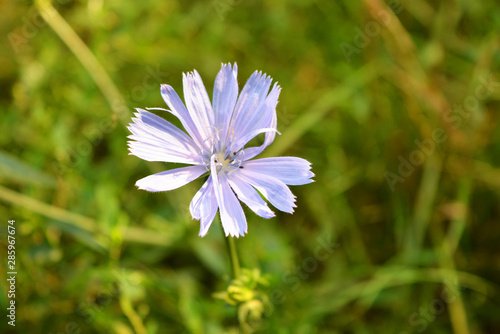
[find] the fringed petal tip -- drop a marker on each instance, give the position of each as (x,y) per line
(237,235)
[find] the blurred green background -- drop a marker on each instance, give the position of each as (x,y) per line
(394,103)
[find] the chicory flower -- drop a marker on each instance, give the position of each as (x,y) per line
(214,144)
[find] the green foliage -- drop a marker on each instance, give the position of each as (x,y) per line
(397,109)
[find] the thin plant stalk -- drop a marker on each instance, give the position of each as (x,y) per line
(233,255)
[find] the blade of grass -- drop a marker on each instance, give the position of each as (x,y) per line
(12,168)
(131,314)
(84,55)
(89,225)
(47,210)
(423,206)
(331,298)
(457,312)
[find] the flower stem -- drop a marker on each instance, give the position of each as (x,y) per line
(233,255)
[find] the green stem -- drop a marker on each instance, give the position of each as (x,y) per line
(235,264)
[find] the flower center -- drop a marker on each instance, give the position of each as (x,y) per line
(226,162)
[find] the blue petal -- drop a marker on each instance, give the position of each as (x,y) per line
(158,140)
(178,109)
(251,97)
(225,95)
(204,206)
(290,170)
(251,152)
(271,102)
(256,112)
(237,145)
(274,190)
(232,216)
(198,104)
(248,195)
(171,179)
(255,108)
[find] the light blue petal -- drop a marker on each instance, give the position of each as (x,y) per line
(249,153)
(198,104)
(158,140)
(250,100)
(149,152)
(204,206)
(254,151)
(171,179)
(225,95)
(237,145)
(252,95)
(248,195)
(271,102)
(290,170)
(274,190)
(232,216)
(178,109)
(198,206)
(264,116)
